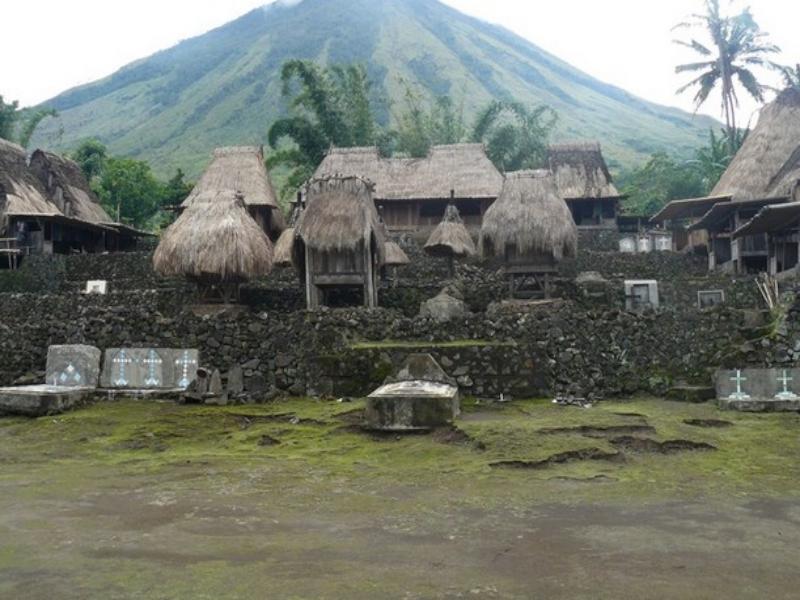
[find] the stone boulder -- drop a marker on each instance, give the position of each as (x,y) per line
(443,308)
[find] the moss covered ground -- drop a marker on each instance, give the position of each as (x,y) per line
(292,499)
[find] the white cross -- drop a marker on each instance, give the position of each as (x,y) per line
(151,361)
(121,359)
(184,362)
(738,395)
(786,394)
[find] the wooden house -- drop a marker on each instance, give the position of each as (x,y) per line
(48,215)
(241,169)
(339,242)
(531,228)
(69,190)
(412,194)
(679,216)
(584,182)
(764,172)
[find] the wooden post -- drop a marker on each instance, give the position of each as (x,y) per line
(369,282)
(312,293)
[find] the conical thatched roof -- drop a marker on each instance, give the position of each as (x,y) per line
(450,238)
(768,163)
(21,193)
(340,214)
(237,168)
(395,256)
(67,187)
(530,216)
(284,248)
(215,239)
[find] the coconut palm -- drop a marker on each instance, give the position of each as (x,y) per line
(737,45)
(791,76)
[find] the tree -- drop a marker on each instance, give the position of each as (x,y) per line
(175,190)
(419,127)
(737,45)
(91,156)
(791,76)
(129,191)
(18,125)
(515,135)
(330,108)
(660,180)
(711,160)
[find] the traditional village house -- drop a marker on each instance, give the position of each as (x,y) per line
(241,169)
(764,172)
(412,193)
(450,239)
(531,228)
(395,257)
(216,244)
(339,241)
(584,182)
(679,216)
(69,190)
(31,223)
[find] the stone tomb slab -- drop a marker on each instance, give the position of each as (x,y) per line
(149,368)
(758,390)
(75,365)
(420,397)
(41,400)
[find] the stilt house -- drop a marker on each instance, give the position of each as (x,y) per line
(339,242)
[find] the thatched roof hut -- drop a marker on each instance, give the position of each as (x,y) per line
(242,169)
(395,255)
(450,238)
(21,193)
(415,191)
(340,240)
(214,241)
(768,163)
(580,171)
(284,248)
(67,187)
(529,216)
(339,215)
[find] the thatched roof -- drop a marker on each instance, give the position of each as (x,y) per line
(462,170)
(21,193)
(215,239)
(580,171)
(450,238)
(339,215)
(768,163)
(67,187)
(529,215)
(237,168)
(284,248)
(395,256)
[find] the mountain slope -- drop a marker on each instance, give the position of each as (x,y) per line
(223,87)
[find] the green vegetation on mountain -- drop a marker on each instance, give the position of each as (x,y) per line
(225,87)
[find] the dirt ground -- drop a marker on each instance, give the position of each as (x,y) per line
(642,499)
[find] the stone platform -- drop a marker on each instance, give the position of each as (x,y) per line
(759,405)
(41,400)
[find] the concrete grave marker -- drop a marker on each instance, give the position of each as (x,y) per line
(759,390)
(74,365)
(145,369)
(422,396)
(641,294)
(99,286)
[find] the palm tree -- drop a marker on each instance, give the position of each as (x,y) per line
(791,76)
(515,134)
(737,46)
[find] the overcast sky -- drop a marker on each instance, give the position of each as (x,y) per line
(51,45)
